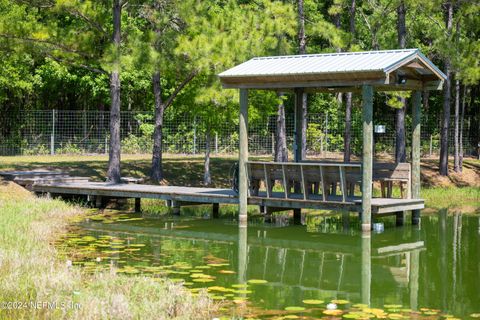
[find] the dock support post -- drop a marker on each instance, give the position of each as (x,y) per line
(415,179)
(175,208)
(99,202)
(215,210)
(138,205)
(366,267)
(399,218)
(242,159)
(297,216)
(300,139)
(299,120)
(367,157)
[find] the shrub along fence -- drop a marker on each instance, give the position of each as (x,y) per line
(86,132)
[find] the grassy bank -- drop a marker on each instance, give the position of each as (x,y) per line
(33,272)
(456,190)
(438,198)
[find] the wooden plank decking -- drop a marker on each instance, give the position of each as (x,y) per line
(105,189)
(380,206)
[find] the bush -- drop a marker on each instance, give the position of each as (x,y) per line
(69,148)
(39,149)
(137,144)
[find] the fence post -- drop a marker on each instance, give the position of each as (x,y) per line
(431,145)
(194,135)
(326,132)
(273,144)
(216,143)
(106,144)
(52,136)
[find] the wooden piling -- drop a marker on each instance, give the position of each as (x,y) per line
(415,180)
(367,157)
(297,216)
(243,158)
(215,210)
(138,205)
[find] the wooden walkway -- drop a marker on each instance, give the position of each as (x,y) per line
(59,183)
(105,189)
(195,195)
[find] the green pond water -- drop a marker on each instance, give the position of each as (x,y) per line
(284,271)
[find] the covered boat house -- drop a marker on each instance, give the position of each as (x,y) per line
(314,185)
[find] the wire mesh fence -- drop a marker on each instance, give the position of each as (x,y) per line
(87,132)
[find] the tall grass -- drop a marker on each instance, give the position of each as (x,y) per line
(451,197)
(32,271)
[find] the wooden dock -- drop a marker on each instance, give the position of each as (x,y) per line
(57,183)
(194,195)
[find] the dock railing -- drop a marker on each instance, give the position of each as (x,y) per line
(323,181)
(305,181)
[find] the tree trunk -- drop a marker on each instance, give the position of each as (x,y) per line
(207,179)
(456,152)
(113,173)
(156,173)
(302,42)
(446,101)
(353,6)
(400,140)
(302,49)
(462,118)
(281,151)
(347,137)
(348,128)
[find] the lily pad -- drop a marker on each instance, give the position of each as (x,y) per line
(395,306)
(340,301)
(226,271)
(218,264)
(203,280)
(243,291)
(333,312)
(257,281)
(313,301)
(294,308)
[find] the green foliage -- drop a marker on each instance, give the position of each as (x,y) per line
(57,54)
(133,144)
(39,149)
(69,148)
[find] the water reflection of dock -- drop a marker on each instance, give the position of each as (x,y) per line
(335,265)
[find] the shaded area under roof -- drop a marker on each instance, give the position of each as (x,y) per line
(386,70)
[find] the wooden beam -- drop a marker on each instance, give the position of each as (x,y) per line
(243,158)
(415,180)
(268,187)
(298,124)
(367,157)
(288,83)
(343,184)
(285,182)
(322,185)
(304,184)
